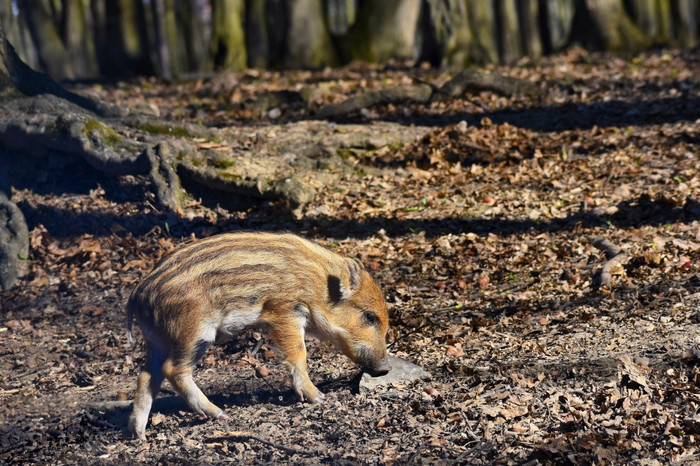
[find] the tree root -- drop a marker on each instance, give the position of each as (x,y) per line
(398,94)
(164,177)
(470,81)
(466,81)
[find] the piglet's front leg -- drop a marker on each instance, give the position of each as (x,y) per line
(287,332)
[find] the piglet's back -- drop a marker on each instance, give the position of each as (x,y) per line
(237,270)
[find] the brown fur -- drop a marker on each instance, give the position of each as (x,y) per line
(206,291)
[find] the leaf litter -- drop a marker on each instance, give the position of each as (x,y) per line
(483,236)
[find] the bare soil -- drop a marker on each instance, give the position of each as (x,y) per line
(482,236)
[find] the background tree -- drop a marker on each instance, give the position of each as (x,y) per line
(228,49)
(73,39)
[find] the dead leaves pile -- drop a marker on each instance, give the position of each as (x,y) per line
(483,237)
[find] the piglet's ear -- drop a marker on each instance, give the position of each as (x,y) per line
(354,269)
(344,287)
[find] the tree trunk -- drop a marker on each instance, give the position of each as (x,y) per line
(482,23)
(653,17)
(615,28)
(193,36)
(228,37)
(163,47)
(14,235)
(686,14)
(79,38)
(509,41)
(174,25)
(256,34)
(133,26)
(7,87)
(558,17)
(340,16)
(65,37)
(308,43)
(383,30)
(122,44)
(446,33)
(529,13)
(51,49)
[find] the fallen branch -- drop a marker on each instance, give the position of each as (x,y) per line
(109,405)
(615,256)
(247,435)
(470,81)
(421,93)
(466,81)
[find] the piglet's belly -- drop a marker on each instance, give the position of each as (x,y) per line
(231,324)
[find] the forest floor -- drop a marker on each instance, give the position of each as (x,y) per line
(485,237)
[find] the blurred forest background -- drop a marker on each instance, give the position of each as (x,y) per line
(87,39)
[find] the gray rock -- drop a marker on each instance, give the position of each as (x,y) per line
(402,371)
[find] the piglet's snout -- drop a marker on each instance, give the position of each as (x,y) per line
(379,367)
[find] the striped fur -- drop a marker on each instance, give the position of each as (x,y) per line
(207,291)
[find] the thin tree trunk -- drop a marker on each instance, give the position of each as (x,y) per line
(53,56)
(193,36)
(482,22)
(529,13)
(164,64)
(228,37)
(79,39)
(257,34)
(615,27)
(686,16)
(509,40)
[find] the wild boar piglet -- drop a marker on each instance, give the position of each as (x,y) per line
(207,291)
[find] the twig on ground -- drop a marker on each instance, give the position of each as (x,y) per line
(414,455)
(615,256)
(257,347)
(109,405)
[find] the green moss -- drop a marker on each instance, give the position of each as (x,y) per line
(395,146)
(223,164)
(345,153)
(230,176)
(164,129)
(107,134)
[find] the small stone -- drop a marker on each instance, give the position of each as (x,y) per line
(401,371)
(274,113)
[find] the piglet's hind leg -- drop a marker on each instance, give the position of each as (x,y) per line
(147,387)
(179,374)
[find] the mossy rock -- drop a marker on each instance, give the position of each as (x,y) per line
(104,132)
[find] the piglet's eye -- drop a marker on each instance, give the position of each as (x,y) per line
(370,318)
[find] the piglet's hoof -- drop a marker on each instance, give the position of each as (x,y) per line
(222,415)
(314,400)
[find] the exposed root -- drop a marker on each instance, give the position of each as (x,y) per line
(466,81)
